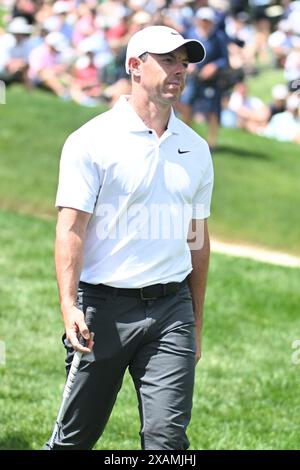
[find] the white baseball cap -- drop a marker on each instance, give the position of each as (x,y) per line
(19,26)
(280,92)
(56,40)
(141,18)
(206,13)
(161,40)
(60,7)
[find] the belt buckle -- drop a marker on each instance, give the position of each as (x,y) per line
(145,298)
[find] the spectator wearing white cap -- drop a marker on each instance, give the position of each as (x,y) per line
(62,10)
(286,126)
(85,86)
(46,67)
(281,42)
(202,92)
(279,96)
(15,47)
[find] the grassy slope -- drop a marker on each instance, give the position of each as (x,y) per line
(256,197)
(36,125)
(245,388)
(261,85)
(256,194)
(260,206)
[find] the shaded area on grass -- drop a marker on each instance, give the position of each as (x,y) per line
(240,152)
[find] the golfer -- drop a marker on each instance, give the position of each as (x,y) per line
(132,247)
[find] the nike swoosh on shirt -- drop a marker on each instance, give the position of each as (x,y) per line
(183,151)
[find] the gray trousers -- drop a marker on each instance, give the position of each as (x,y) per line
(155,340)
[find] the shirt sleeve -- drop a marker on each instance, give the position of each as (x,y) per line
(202,198)
(79,178)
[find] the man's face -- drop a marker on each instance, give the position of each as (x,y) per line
(163,75)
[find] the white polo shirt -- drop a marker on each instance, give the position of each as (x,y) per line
(142,192)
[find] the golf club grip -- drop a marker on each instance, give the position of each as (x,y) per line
(72,374)
(70,381)
(66,394)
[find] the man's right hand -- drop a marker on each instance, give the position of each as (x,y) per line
(75,327)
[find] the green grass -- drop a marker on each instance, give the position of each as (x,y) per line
(2,15)
(35,127)
(261,85)
(246,387)
(256,197)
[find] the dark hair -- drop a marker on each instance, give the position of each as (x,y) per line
(143,56)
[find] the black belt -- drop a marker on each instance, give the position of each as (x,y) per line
(145,293)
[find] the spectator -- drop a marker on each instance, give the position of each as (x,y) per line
(85,87)
(279,95)
(44,12)
(238,6)
(25,9)
(294,16)
(238,27)
(201,90)
(85,25)
(292,66)
(61,10)
(46,67)
(113,74)
(262,23)
(286,126)
(281,42)
(14,51)
(113,12)
(85,60)
(250,112)
(180,13)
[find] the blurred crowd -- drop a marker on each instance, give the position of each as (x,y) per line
(76,49)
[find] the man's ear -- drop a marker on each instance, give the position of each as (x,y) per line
(135,66)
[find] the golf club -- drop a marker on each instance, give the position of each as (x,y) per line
(69,383)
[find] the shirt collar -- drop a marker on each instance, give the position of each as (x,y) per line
(130,119)
(134,123)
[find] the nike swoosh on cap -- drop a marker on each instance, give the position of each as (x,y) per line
(183,151)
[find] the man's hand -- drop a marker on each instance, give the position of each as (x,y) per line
(208,71)
(75,327)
